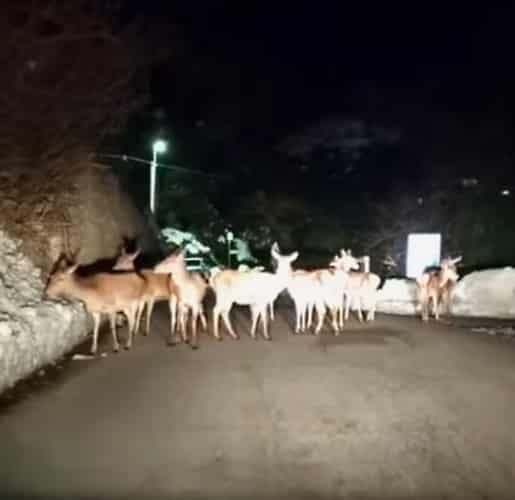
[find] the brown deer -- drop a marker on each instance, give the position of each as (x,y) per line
(192,288)
(359,284)
(101,293)
(159,287)
(435,287)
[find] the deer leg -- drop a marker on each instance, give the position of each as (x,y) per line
(194,318)
(112,321)
(425,307)
(183,322)
(223,310)
(310,307)
(339,312)
(359,312)
(216,320)
(203,319)
(348,299)
(227,321)
(436,309)
(320,307)
(303,316)
(150,307)
(255,318)
(139,314)
(131,319)
(264,321)
(334,318)
(172,305)
(96,326)
(298,317)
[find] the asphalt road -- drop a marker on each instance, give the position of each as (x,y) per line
(396,409)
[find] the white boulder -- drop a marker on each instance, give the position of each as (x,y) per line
(488,293)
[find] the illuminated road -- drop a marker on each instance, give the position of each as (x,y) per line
(394,410)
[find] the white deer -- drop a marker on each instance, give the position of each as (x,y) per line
(436,287)
(191,288)
(304,290)
(319,290)
(360,286)
(102,293)
(245,267)
(255,289)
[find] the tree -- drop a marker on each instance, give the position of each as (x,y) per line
(68,79)
(71,75)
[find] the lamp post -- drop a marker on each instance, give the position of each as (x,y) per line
(229,236)
(159,146)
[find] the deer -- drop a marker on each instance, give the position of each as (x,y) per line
(243,267)
(436,287)
(319,290)
(159,287)
(256,289)
(359,284)
(101,293)
(303,288)
(191,289)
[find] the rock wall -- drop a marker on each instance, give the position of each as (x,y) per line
(78,208)
(90,215)
(33,332)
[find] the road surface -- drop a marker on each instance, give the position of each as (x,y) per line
(397,409)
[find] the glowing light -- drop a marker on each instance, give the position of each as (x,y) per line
(505,192)
(159,146)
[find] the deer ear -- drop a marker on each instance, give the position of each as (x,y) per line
(61,263)
(294,256)
(135,254)
(71,269)
(343,253)
(274,251)
(457,259)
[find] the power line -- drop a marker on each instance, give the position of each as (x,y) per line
(161,165)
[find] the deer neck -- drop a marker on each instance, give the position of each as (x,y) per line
(444,279)
(76,289)
(283,276)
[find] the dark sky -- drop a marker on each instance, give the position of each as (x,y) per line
(312,56)
(274,67)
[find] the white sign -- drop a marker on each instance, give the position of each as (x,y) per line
(423,250)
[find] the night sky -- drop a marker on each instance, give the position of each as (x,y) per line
(439,72)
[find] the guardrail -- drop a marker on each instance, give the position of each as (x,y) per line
(195,264)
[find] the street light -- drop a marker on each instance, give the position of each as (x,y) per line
(229,236)
(159,146)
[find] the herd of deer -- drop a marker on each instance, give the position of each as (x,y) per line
(336,288)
